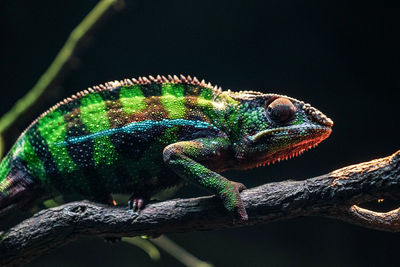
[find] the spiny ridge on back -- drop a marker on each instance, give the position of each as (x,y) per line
(159,79)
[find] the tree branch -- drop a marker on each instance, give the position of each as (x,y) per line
(331,195)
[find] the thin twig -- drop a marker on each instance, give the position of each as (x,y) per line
(330,195)
(55,69)
(52,74)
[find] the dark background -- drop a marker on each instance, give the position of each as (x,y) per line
(341,57)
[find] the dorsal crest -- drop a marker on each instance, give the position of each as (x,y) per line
(159,79)
(245,95)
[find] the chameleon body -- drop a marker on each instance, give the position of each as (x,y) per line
(141,136)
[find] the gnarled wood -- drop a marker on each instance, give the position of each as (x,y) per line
(331,195)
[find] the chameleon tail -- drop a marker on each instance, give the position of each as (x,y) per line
(15,186)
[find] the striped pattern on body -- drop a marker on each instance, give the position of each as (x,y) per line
(118,129)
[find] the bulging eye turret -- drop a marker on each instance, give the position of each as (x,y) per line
(281,110)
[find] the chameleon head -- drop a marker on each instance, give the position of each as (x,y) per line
(278,127)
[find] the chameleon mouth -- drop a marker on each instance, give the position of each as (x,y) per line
(292,131)
(289,142)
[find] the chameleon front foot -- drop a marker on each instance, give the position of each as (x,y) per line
(239,210)
(233,202)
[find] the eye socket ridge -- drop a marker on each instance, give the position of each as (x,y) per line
(281,110)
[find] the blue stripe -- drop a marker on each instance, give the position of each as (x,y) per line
(138,127)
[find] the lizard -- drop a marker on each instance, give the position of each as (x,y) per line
(142,136)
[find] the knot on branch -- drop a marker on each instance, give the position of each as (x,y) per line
(78,209)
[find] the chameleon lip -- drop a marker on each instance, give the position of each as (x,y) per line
(313,135)
(308,129)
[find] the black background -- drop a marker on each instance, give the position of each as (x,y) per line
(341,57)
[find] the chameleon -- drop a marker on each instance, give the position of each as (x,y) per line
(142,136)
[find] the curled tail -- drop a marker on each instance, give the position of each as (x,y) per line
(16,186)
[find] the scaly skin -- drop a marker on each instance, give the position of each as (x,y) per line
(142,136)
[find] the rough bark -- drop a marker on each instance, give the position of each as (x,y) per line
(333,195)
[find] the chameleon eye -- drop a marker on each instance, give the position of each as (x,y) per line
(281,110)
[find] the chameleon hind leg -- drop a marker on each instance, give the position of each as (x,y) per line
(184,157)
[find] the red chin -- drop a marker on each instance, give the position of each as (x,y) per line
(290,152)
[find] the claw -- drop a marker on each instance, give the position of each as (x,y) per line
(136,204)
(240,212)
(239,186)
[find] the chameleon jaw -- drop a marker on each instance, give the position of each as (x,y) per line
(302,138)
(295,151)
(294,130)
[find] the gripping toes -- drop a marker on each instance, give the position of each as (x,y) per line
(233,202)
(136,203)
(240,211)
